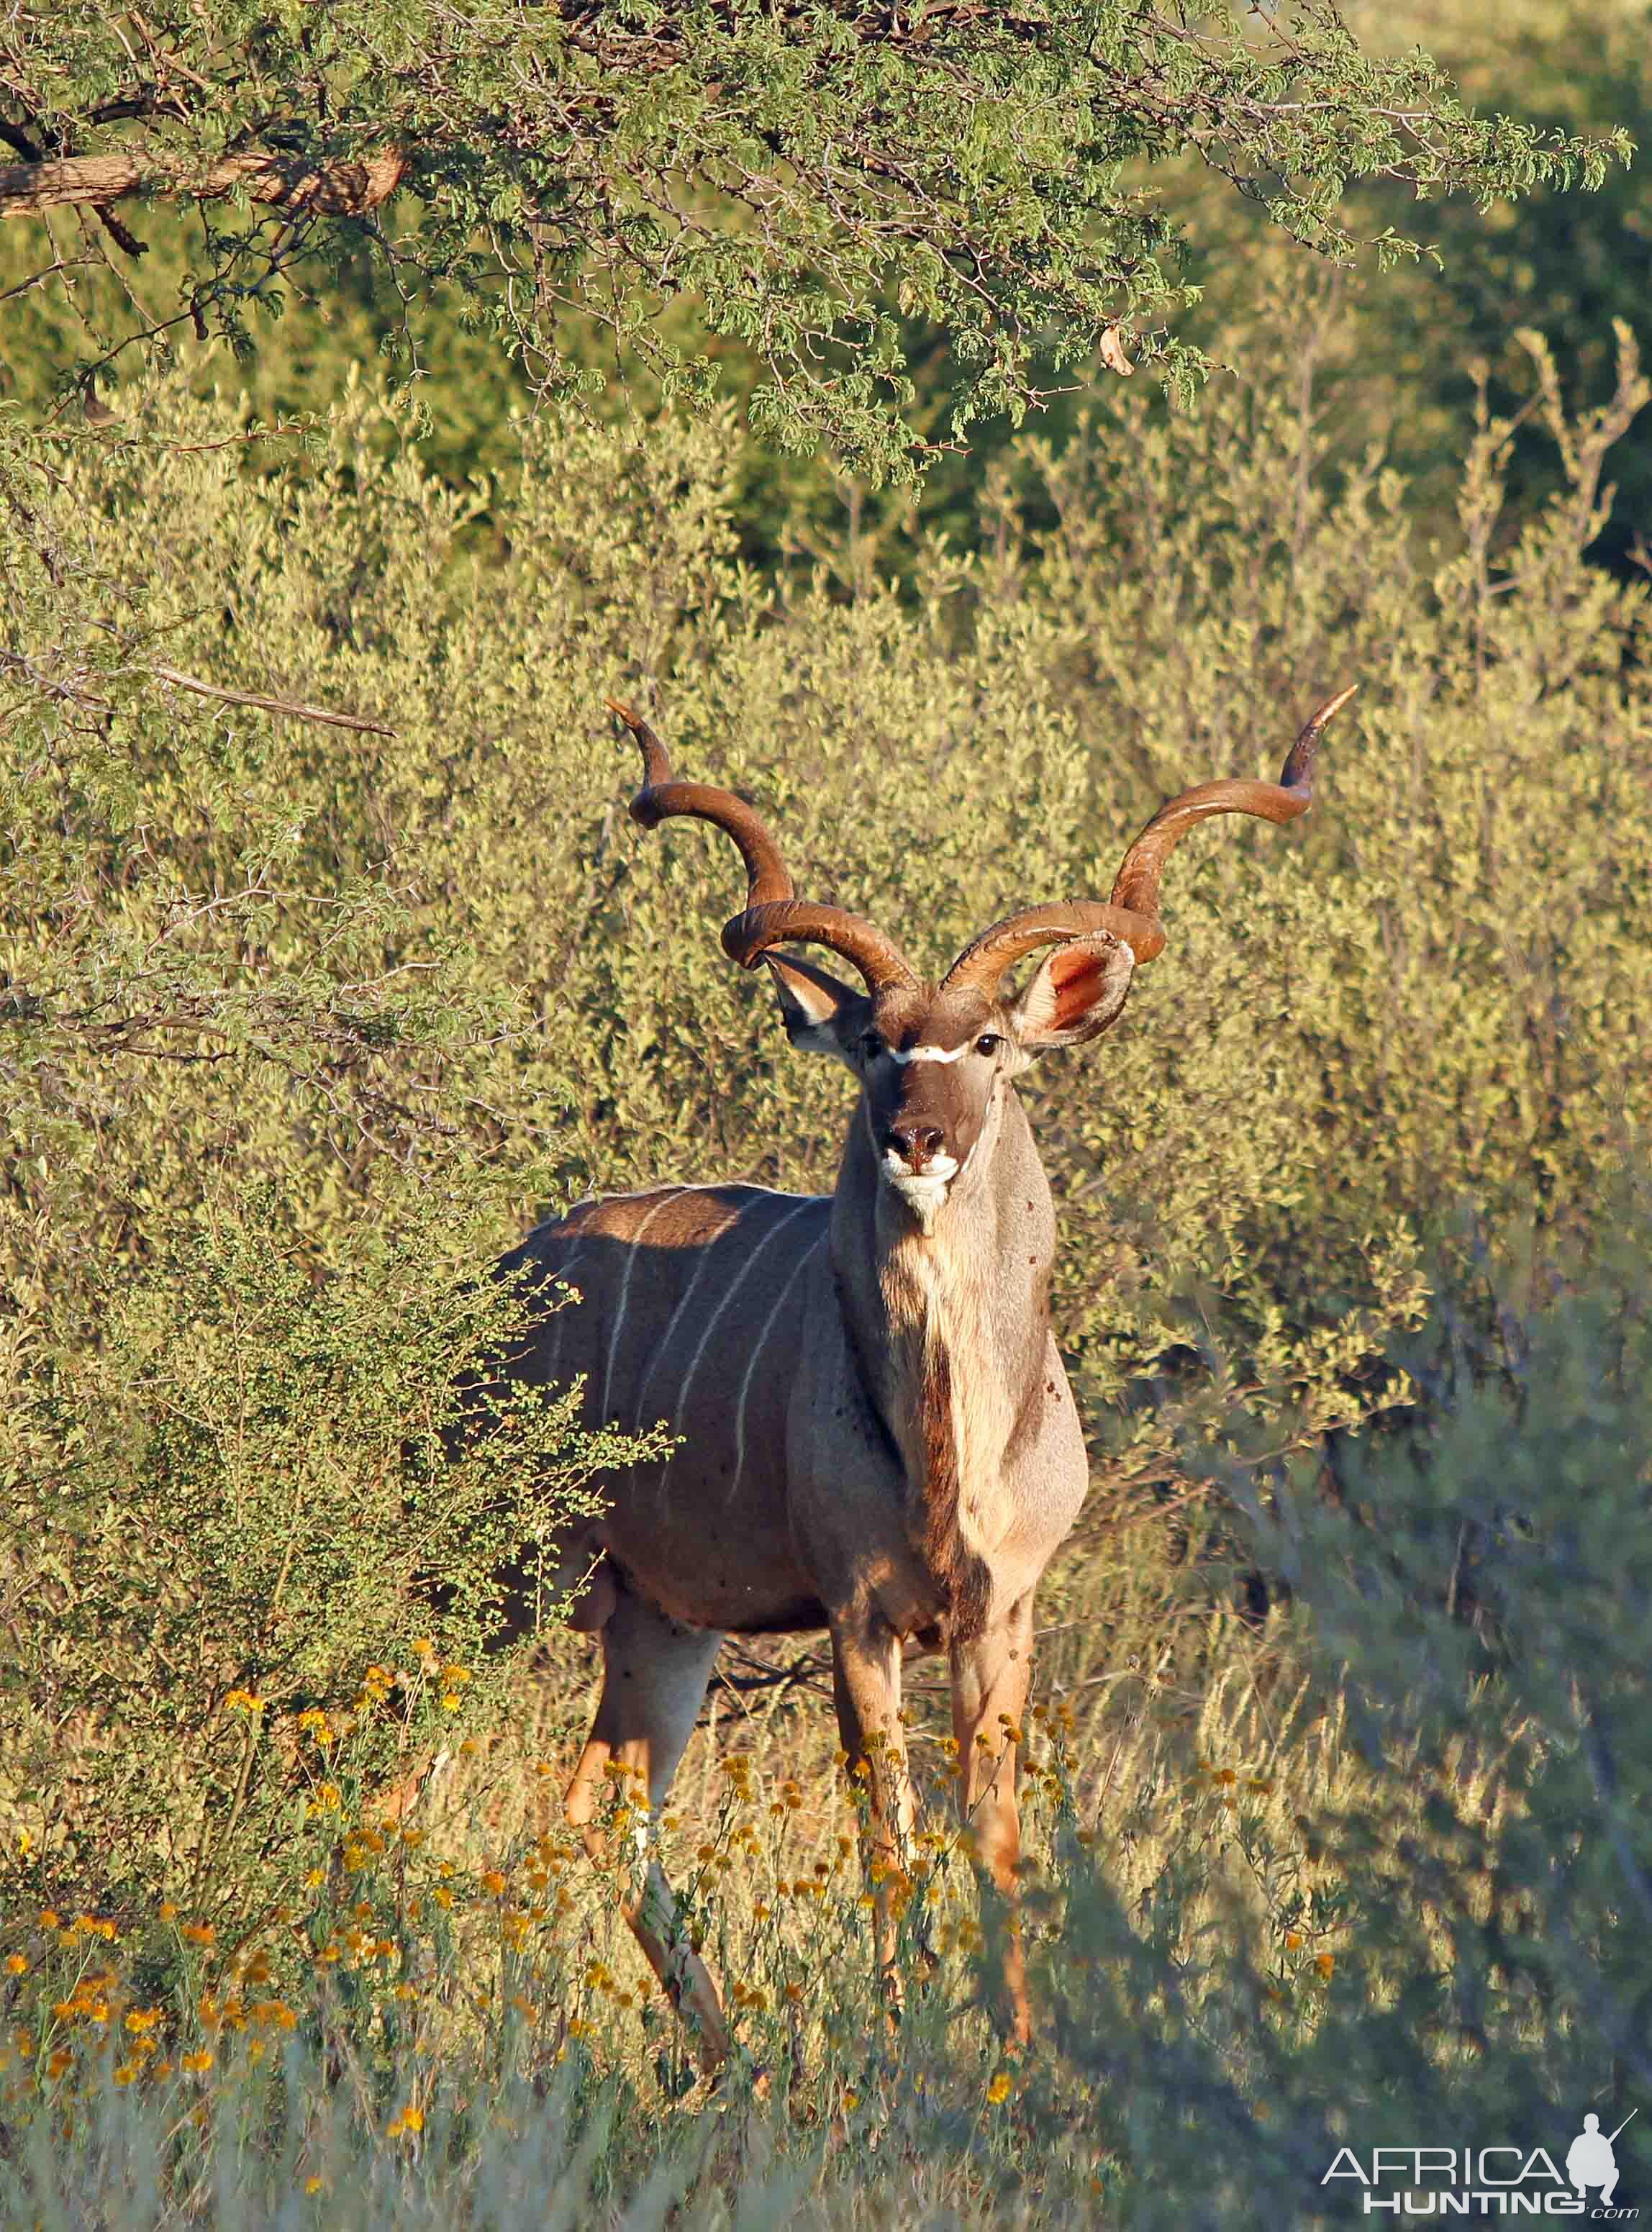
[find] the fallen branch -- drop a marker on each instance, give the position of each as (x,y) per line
(335,187)
(805,1671)
(255,698)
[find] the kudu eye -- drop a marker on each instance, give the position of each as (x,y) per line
(870,1045)
(988,1043)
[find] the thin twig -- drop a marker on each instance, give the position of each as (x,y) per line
(321,713)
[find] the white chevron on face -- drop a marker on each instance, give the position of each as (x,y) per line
(928,1053)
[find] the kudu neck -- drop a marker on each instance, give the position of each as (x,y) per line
(978,1278)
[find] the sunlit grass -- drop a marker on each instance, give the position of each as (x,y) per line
(453,2012)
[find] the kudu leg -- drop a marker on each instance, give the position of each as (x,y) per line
(866,1685)
(655,1673)
(991,1676)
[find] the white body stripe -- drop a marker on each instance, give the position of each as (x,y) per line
(667,1195)
(730,1291)
(688,1292)
(751,1366)
(561,1279)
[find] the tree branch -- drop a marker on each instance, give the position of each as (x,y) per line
(294,712)
(334,187)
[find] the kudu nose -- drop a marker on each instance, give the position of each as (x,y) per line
(915,1143)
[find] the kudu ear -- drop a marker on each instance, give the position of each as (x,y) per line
(1077,991)
(821,1014)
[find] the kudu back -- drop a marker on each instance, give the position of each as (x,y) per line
(877,1437)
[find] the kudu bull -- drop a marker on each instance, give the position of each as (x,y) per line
(877,1434)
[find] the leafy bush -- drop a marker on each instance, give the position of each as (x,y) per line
(226,1511)
(1440,1939)
(244,1218)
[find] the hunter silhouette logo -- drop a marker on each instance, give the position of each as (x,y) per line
(1590,2159)
(1495,2181)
